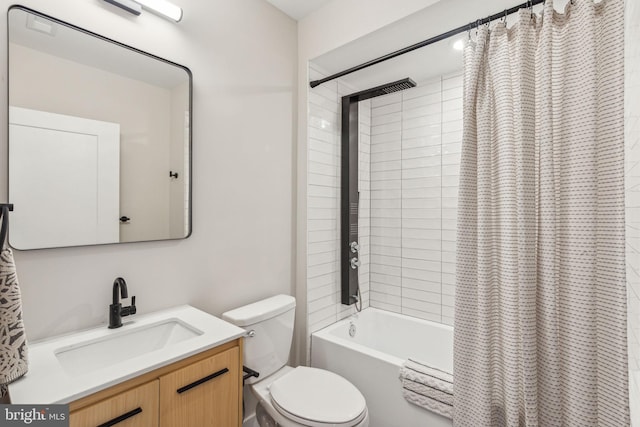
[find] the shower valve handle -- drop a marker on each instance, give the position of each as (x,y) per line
(355,247)
(355,263)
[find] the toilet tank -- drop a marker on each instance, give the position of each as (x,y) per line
(270,326)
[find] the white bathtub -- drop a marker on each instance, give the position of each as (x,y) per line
(371,360)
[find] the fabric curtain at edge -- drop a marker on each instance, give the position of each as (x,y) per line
(540,334)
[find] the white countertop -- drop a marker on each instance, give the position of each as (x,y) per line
(47,382)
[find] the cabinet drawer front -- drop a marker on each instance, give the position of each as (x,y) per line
(204,394)
(137,407)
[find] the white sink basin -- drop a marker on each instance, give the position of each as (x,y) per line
(69,367)
(125,343)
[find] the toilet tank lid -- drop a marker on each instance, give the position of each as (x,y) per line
(258,311)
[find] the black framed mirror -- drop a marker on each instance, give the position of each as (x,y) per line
(99,138)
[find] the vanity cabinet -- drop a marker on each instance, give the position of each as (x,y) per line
(138,406)
(202,394)
(204,390)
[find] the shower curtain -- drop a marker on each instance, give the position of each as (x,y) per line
(540,310)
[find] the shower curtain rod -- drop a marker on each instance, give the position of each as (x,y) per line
(427,42)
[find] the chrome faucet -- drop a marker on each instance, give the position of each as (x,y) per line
(116,310)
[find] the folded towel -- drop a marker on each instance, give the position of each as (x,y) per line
(428,387)
(13,341)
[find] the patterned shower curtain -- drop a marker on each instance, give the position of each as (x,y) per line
(540,311)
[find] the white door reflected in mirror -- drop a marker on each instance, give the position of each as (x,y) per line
(63,168)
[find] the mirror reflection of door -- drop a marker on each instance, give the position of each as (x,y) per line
(60,69)
(65,176)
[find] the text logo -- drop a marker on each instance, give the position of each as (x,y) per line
(35,415)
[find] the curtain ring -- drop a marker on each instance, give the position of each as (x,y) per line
(504,18)
(531,7)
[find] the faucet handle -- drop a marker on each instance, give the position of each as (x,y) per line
(128,311)
(132,307)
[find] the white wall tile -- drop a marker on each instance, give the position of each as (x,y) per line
(422,121)
(386,289)
(423,131)
(387,279)
(424,141)
(322,225)
(390,128)
(424,306)
(421,101)
(322,258)
(385,175)
(385,119)
(383,137)
(429,147)
(386,109)
(395,251)
(323,200)
(387,299)
(384,212)
(422,111)
(452,93)
(433,285)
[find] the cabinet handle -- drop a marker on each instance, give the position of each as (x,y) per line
(202,380)
(122,418)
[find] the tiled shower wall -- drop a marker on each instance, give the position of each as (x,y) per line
(410,146)
(416,138)
(323,203)
(632,196)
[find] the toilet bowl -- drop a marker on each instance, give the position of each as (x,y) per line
(311,397)
(292,397)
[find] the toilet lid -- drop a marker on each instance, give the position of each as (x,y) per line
(317,396)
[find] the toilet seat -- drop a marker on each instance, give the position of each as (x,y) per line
(317,398)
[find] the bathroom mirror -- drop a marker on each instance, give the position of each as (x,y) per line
(99,138)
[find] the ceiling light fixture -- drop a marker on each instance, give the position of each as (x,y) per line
(128,5)
(161,7)
(164,8)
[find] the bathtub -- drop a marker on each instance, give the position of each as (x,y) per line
(372,358)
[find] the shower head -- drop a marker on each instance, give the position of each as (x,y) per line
(382,90)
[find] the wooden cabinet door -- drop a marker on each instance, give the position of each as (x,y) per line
(204,394)
(137,407)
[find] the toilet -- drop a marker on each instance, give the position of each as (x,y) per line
(292,397)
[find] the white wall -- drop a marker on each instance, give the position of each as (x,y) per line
(243,57)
